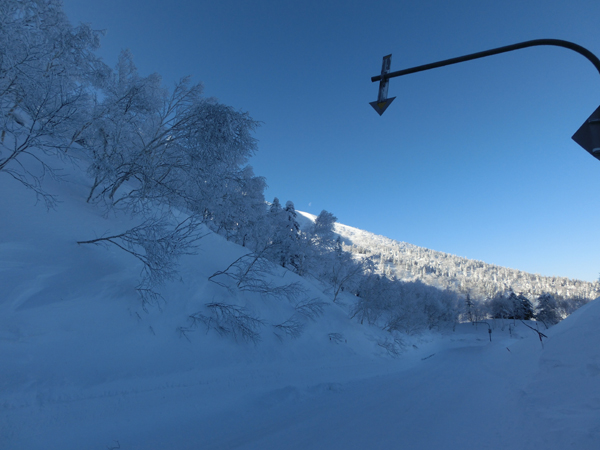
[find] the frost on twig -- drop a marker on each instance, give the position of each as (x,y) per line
(292,328)
(306,309)
(158,244)
(230,320)
(310,308)
(250,273)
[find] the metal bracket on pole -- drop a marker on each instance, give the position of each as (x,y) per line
(496,51)
(588,135)
(382,101)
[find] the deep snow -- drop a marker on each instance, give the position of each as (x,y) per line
(82,366)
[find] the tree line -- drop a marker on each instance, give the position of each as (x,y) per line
(176,162)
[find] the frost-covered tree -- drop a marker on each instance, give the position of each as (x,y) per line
(291,237)
(374,296)
(547,310)
(314,245)
(217,147)
(469,308)
(344,272)
(274,232)
(511,306)
(158,243)
(240,215)
(524,308)
(500,307)
(253,272)
(174,158)
(47,68)
(150,146)
(285,236)
(322,230)
(128,139)
(405,307)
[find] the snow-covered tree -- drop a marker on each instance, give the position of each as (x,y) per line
(511,306)
(469,308)
(344,272)
(524,308)
(127,140)
(285,236)
(374,296)
(47,68)
(172,157)
(547,310)
(240,216)
(500,307)
(322,230)
(178,148)
(291,237)
(158,243)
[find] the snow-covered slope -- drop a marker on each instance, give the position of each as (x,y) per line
(481,280)
(84,366)
(75,341)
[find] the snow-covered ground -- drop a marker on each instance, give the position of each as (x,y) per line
(82,366)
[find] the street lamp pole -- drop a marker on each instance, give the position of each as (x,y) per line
(588,135)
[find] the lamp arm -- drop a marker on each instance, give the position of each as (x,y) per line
(508,48)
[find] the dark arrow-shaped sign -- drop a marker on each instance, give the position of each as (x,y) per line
(382,101)
(588,135)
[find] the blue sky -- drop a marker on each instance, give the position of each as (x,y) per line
(474,159)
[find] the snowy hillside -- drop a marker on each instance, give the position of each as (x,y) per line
(152,299)
(75,340)
(83,366)
(481,280)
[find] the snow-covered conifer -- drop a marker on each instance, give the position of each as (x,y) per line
(547,310)
(323,228)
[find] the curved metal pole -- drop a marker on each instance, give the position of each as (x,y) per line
(489,329)
(509,48)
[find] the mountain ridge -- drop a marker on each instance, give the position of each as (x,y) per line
(481,280)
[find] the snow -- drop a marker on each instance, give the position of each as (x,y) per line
(83,366)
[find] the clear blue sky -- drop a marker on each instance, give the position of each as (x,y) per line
(474,159)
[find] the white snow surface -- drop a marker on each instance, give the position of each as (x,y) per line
(82,366)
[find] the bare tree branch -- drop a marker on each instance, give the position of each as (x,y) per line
(230,320)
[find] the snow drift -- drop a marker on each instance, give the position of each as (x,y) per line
(83,366)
